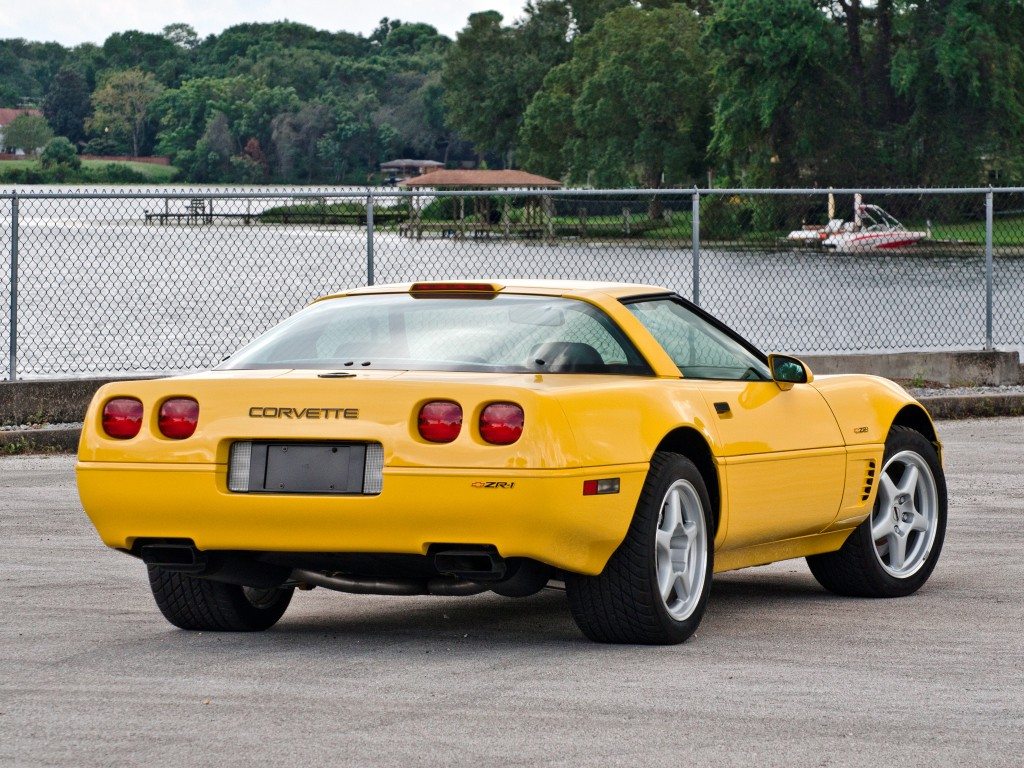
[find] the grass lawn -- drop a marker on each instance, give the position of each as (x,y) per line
(1006,230)
(155,173)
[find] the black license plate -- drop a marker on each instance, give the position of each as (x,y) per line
(322,468)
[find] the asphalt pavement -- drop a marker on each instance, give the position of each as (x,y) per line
(780,672)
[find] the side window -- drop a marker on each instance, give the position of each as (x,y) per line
(699,349)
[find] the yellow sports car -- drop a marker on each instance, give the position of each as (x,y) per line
(451,438)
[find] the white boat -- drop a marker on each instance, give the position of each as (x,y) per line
(815,234)
(872,229)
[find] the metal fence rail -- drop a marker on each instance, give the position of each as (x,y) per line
(174,280)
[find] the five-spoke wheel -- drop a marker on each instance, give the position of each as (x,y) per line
(894,551)
(903,525)
(681,549)
(655,587)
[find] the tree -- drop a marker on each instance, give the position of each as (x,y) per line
(629,106)
(121,105)
(492,72)
(67,105)
(586,13)
(181,35)
(782,104)
(480,94)
(142,50)
(27,132)
(60,153)
(248,105)
(961,72)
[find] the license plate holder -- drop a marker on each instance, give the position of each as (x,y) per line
(307,468)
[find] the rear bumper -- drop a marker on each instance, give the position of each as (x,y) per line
(543,515)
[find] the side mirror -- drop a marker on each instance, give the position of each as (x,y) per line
(787,371)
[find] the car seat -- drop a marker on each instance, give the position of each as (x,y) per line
(565,357)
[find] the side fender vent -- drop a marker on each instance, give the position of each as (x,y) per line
(869,480)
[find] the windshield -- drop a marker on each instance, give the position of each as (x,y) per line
(505,333)
(698,348)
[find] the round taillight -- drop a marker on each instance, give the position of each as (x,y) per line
(178,418)
(501,423)
(440,421)
(122,418)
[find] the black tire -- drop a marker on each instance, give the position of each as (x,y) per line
(213,606)
(855,570)
(624,604)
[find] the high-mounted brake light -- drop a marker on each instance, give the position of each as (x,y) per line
(122,418)
(501,423)
(454,288)
(440,421)
(178,418)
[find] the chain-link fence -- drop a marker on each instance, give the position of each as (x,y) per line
(162,281)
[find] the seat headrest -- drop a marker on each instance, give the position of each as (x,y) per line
(565,357)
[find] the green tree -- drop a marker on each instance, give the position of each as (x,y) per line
(28,132)
(492,72)
(60,153)
(249,108)
(586,13)
(141,50)
(121,105)
(181,35)
(782,103)
(480,93)
(628,108)
(67,104)
(961,72)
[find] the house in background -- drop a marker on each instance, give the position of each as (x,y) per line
(397,170)
(6,118)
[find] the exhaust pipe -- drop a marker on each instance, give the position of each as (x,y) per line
(483,564)
(175,557)
(229,567)
(360,586)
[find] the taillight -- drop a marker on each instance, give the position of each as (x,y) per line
(178,418)
(122,417)
(501,423)
(440,421)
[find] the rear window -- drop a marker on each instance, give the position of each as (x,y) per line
(505,333)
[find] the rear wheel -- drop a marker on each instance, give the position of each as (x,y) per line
(655,587)
(893,552)
(213,606)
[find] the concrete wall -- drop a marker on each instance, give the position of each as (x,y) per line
(46,402)
(954,369)
(50,402)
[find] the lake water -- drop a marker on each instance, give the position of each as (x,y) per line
(102,291)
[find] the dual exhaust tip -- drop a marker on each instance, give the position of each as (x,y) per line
(463,571)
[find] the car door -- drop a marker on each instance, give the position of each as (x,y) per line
(785,460)
(784,455)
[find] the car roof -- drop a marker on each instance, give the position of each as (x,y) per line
(580,288)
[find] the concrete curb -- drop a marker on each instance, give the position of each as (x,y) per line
(41,440)
(973,406)
(65,439)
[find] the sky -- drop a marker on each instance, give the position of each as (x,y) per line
(71,22)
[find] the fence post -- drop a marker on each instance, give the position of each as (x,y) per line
(989,204)
(14,289)
(369,238)
(695,245)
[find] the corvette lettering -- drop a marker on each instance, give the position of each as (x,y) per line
(272,412)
